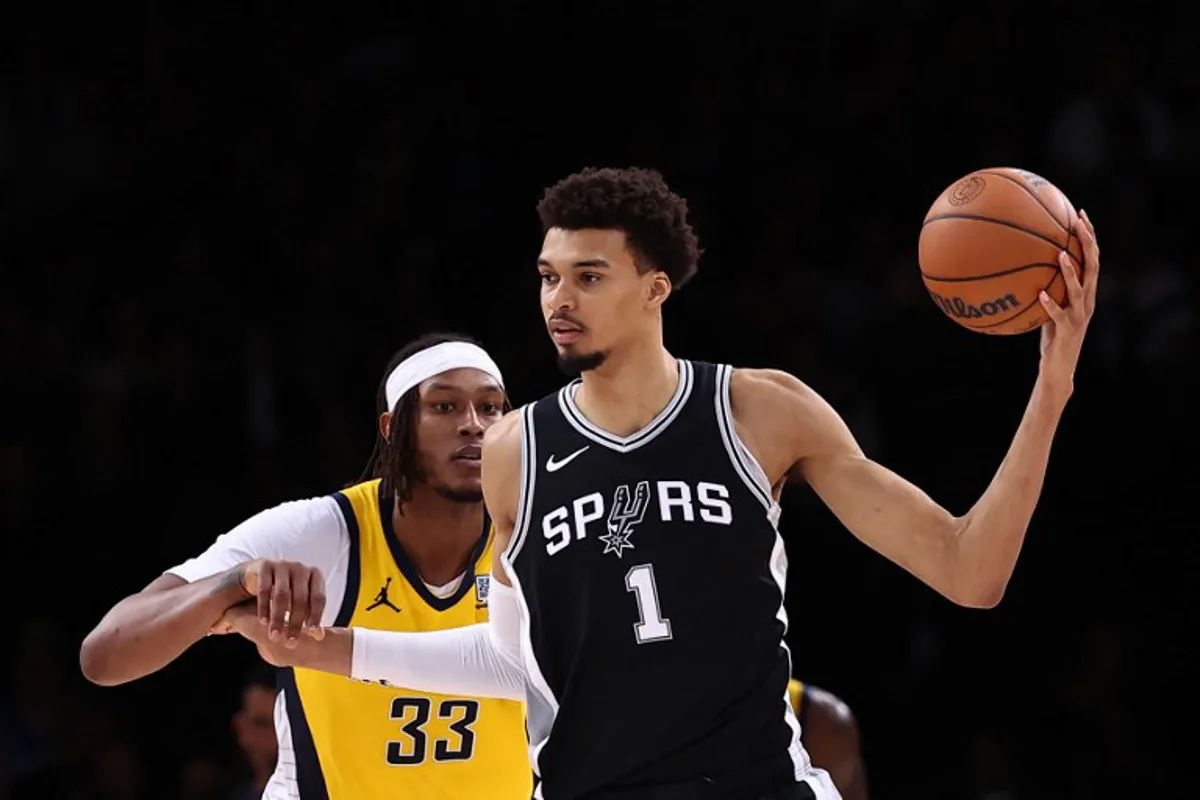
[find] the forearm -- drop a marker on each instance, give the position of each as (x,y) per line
(992,532)
(477,660)
(460,661)
(145,632)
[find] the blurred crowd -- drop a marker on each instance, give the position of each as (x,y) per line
(214,237)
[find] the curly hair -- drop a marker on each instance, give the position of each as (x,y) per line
(636,201)
(395,459)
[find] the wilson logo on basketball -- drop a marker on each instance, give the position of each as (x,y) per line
(957,307)
(966,190)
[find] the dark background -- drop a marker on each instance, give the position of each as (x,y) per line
(216,230)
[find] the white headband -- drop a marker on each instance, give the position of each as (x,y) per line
(420,367)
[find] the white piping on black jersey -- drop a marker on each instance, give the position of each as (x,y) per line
(528,484)
(756,480)
(626,444)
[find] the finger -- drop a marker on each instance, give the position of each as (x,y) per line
(299,606)
(317,633)
(1087,221)
(1056,312)
(316,599)
(1071,279)
(281,603)
(250,627)
(266,582)
(1091,248)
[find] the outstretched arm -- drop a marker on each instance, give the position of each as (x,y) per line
(150,629)
(460,661)
(969,558)
(480,660)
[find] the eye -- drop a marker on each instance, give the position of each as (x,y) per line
(491,408)
(444,407)
(549,278)
(590,277)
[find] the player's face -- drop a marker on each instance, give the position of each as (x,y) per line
(593,297)
(456,408)
(254,725)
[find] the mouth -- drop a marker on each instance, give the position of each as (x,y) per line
(468,452)
(564,332)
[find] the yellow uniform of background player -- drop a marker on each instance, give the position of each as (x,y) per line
(407,552)
(359,736)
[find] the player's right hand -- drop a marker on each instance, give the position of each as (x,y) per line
(291,597)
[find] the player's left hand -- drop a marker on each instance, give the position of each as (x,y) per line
(243,619)
(1062,336)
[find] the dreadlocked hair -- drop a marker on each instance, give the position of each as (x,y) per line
(395,460)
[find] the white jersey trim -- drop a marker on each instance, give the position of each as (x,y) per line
(528,483)
(625,444)
(756,480)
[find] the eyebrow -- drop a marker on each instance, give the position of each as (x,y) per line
(584,263)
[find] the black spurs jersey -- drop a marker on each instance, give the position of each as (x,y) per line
(651,577)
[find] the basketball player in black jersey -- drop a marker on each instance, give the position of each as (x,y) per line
(640,505)
(637,594)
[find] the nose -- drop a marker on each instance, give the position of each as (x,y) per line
(560,297)
(471,424)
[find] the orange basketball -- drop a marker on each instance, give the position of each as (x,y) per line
(990,244)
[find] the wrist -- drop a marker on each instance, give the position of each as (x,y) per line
(233,583)
(334,653)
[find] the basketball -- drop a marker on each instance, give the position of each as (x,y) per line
(990,244)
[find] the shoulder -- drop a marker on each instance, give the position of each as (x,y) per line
(312,531)
(771,390)
(783,420)
(298,518)
(501,465)
(830,716)
(503,440)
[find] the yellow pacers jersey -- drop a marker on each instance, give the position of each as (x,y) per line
(360,741)
(799,697)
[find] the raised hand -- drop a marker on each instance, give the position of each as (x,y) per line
(290,598)
(1062,336)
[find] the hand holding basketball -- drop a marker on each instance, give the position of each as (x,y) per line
(1062,336)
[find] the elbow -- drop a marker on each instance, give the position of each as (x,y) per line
(982,597)
(96,661)
(971,589)
(973,579)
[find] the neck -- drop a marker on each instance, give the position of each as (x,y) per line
(629,389)
(437,533)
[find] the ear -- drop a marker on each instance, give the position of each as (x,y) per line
(385,424)
(659,289)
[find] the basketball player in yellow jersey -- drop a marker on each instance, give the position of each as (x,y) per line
(830,735)
(409,551)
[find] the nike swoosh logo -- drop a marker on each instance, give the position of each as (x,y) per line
(555,466)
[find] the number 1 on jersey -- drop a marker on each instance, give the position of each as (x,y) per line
(650,627)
